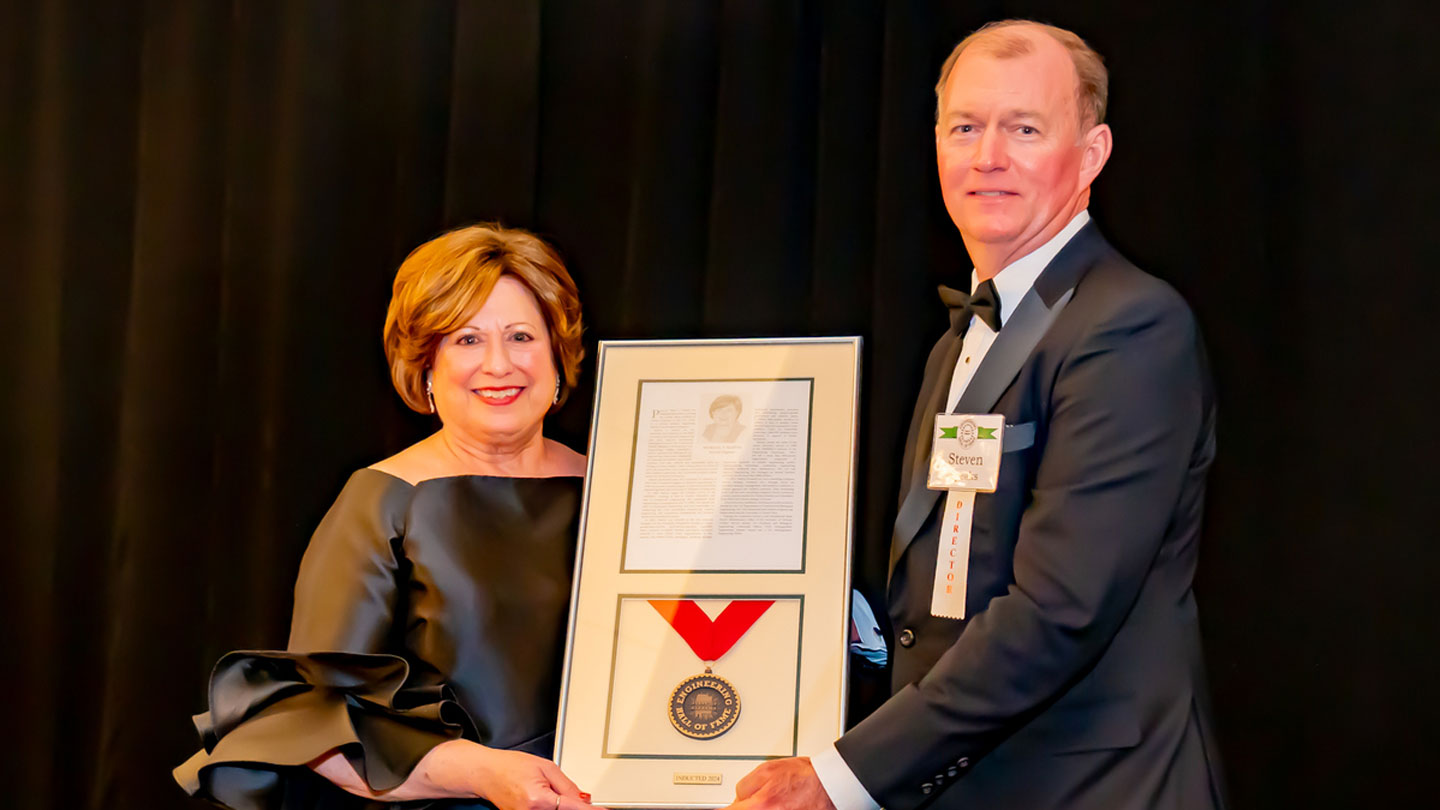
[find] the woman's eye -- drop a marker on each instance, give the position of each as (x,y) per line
(466,340)
(523,337)
(1027,130)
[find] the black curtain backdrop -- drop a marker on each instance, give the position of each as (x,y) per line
(204,204)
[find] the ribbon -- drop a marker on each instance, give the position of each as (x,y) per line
(711,639)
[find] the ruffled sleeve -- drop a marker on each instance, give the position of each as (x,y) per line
(340,685)
(273,710)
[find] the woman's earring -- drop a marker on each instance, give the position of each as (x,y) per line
(556,400)
(430,396)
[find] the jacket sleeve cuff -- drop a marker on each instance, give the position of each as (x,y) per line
(840,783)
(902,753)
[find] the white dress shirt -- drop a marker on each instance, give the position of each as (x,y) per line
(1011,284)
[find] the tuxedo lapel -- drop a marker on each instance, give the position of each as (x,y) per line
(1012,347)
(915,503)
(1032,318)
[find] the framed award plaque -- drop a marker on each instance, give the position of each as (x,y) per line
(711,603)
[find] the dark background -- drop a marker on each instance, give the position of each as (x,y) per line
(204,204)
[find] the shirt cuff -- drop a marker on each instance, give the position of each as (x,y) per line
(840,783)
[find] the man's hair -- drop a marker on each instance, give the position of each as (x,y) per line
(1092,89)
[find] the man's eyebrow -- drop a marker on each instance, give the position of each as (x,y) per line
(954,115)
(1010,115)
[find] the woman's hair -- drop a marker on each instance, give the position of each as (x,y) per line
(445,281)
(724,400)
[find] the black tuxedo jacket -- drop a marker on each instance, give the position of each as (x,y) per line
(1077,679)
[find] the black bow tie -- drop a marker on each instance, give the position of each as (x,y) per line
(984,303)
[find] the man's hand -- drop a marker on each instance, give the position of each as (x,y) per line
(782,784)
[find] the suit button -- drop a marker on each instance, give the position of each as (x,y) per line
(963,762)
(952,772)
(926,788)
(907,638)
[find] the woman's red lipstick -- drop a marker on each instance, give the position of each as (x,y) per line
(492,395)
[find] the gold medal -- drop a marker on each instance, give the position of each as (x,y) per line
(705,706)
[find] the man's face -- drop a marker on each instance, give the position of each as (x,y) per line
(1013,168)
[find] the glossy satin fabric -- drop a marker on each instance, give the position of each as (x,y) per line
(422,613)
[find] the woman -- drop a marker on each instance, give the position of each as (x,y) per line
(430,608)
(724,424)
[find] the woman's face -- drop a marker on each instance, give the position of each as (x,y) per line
(494,377)
(724,415)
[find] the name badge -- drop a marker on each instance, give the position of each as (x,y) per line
(965,452)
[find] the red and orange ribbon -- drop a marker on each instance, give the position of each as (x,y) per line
(711,639)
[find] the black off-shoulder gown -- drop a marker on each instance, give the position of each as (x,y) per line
(423,613)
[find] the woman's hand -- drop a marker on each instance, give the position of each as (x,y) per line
(512,780)
(460,769)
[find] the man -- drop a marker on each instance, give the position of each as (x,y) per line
(1074,679)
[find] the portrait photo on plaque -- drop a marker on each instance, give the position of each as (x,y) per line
(719,474)
(702,676)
